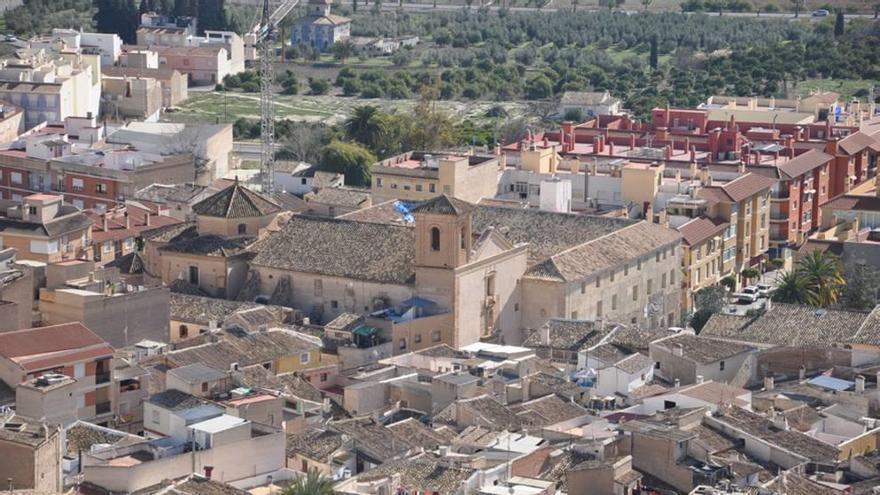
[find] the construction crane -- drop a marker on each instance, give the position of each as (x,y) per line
(266,32)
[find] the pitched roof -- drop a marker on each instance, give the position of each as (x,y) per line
(566,334)
(364,251)
(855,142)
(605,252)
(116,229)
(746,186)
(176,400)
(314,444)
(419,434)
(287,384)
(700,349)
(197,309)
(803,163)
(244,349)
(372,438)
(46,347)
(338,196)
(701,229)
(549,410)
(585,97)
(855,202)
(793,325)
(236,201)
(444,205)
(764,429)
(424,473)
(197,373)
(210,245)
(634,363)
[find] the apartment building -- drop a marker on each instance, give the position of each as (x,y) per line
(70,350)
(124,98)
(803,186)
(41,228)
(50,86)
(107,46)
(31,453)
(173,82)
(203,65)
(419,176)
(11,122)
(116,230)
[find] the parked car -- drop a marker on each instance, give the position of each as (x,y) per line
(748,295)
(765,290)
(10,38)
(821,13)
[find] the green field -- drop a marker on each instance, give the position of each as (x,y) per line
(846,87)
(215,107)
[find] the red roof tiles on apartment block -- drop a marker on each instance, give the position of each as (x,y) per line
(747,186)
(56,345)
(803,163)
(700,229)
(856,143)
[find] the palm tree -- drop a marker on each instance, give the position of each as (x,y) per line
(793,288)
(313,483)
(366,126)
(823,273)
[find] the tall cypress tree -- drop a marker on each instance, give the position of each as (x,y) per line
(839,24)
(653,58)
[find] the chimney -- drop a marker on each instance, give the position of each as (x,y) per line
(104,222)
(127,220)
(545,334)
(562,146)
(741,168)
(677,350)
(687,144)
(632,141)
(693,153)
(208,470)
(769,383)
(676,383)
(705,177)
(611,148)
(526,385)
(807,134)
(147,218)
(860,384)
(700,379)
(831,146)
(802,373)
(692,169)
(828,127)
(668,151)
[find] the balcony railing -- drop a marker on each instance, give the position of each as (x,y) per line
(102,377)
(102,407)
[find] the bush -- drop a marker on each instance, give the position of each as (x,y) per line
(318,86)
(250,87)
(573,115)
(729,282)
(351,159)
(776,263)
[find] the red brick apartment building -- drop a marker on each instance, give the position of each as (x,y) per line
(812,162)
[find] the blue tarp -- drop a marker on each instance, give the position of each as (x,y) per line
(831,383)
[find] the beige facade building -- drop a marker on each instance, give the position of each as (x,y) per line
(126,97)
(31,454)
(457,273)
(41,228)
(173,83)
(211,253)
(418,176)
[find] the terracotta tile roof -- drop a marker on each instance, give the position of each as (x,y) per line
(747,186)
(372,438)
(606,252)
(244,349)
(445,205)
(423,473)
(314,444)
(634,363)
(56,345)
(550,409)
(701,229)
(338,196)
(567,334)
(210,245)
(419,434)
(803,163)
(364,251)
(764,429)
(700,349)
(236,201)
(856,143)
(795,325)
(288,384)
(855,202)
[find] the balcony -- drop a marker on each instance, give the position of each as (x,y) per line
(102,377)
(102,408)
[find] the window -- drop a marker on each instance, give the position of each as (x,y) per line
(304,358)
(721,365)
(402,344)
(657,259)
(319,288)
(107,247)
(15,177)
(583,287)
(184,331)
(638,264)
(663,281)
(625,270)
(418,338)
(611,278)
(650,286)
(204,386)
(101,188)
(393,185)
(323,377)
(614,302)
(635,292)
(406,187)
(419,187)
(378,181)
(490,285)
(463,235)
(671,277)
(435,336)
(194,275)
(598,281)
(305,181)
(155,417)
(432,188)
(334,304)
(599,308)
(242,229)
(435,239)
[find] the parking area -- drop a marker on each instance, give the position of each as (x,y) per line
(737,308)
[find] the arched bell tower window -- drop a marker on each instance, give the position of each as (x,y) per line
(435,239)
